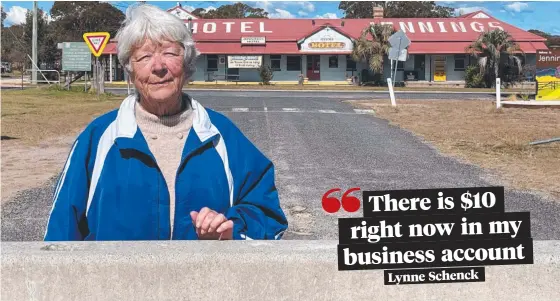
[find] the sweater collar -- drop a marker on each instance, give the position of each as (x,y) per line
(126,125)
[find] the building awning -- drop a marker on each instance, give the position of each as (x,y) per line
(110,48)
(437,47)
(459,47)
(532,47)
(237,48)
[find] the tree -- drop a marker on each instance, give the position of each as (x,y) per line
(232,11)
(13,45)
(551,40)
(266,74)
(3,15)
(395,9)
(45,41)
(74,18)
(494,50)
(373,50)
(199,12)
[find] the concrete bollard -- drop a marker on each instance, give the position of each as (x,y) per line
(241,270)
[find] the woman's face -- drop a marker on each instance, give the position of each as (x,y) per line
(158,71)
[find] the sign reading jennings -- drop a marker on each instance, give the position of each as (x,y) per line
(76,56)
(245,61)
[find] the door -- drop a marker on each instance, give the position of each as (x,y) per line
(313,67)
(420,66)
(439,68)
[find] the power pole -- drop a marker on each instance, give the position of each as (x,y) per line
(34,45)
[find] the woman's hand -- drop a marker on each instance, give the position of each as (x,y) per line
(210,224)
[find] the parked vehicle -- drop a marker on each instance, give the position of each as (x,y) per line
(6,67)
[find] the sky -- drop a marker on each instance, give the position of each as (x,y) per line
(541,15)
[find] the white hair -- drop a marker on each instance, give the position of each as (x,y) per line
(147,22)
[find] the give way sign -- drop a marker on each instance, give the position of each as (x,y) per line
(96,41)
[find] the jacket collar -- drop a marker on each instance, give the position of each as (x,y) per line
(126,126)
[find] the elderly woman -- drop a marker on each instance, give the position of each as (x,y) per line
(162,166)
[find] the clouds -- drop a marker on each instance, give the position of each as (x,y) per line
(301,13)
(327,16)
(307,6)
(281,14)
(470,9)
(16,15)
(517,7)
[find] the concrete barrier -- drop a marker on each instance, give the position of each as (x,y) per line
(248,270)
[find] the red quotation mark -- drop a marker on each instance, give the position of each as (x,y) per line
(349,203)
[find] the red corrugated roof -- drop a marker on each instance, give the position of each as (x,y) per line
(429,35)
(459,47)
(430,29)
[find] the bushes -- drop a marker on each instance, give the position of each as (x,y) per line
(474,78)
(266,74)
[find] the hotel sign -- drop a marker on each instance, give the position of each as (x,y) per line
(253,40)
(245,61)
(327,45)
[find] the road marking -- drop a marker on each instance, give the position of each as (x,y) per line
(364,111)
(293,110)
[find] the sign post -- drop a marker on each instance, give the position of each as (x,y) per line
(399,43)
(498,94)
(391,93)
(96,42)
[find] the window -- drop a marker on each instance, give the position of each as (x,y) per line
(459,62)
(400,66)
(350,64)
(293,63)
(212,63)
(275,62)
(333,61)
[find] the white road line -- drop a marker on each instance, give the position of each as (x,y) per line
(240,109)
(364,111)
(327,111)
(290,109)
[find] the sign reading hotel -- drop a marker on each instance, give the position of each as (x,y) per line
(328,40)
(253,40)
(245,61)
(327,45)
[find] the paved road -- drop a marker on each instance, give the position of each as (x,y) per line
(317,142)
(329,94)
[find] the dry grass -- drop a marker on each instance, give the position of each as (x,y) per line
(496,139)
(33,115)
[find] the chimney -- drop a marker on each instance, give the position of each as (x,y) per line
(378,12)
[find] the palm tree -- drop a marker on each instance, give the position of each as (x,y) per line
(373,50)
(491,48)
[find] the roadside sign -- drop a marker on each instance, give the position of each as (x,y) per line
(399,40)
(395,54)
(76,56)
(96,41)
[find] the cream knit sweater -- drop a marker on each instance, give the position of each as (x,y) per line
(166,138)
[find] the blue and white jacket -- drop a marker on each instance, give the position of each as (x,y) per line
(112,189)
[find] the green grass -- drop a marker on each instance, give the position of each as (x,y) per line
(32,115)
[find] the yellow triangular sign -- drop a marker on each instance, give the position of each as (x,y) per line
(96,41)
